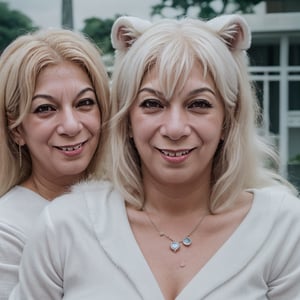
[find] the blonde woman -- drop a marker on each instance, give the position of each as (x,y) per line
(54,103)
(193,213)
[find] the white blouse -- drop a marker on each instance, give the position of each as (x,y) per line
(19,209)
(83,248)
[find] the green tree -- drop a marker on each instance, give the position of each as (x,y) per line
(12,24)
(206,8)
(99,31)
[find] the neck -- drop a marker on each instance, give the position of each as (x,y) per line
(46,188)
(180,200)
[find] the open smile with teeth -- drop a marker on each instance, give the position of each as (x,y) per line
(175,153)
(70,148)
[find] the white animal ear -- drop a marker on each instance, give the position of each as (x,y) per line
(125,31)
(234,30)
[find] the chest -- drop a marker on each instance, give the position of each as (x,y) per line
(173,270)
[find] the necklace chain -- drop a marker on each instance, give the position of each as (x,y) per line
(175,245)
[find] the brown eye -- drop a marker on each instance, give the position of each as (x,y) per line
(86,102)
(44,108)
(151,103)
(199,104)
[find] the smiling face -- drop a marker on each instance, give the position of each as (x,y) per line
(62,129)
(177,138)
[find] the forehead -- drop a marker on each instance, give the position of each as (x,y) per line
(64,74)
(168,82)
(61,69)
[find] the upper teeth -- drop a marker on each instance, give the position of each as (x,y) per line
(71,148)
(175,154)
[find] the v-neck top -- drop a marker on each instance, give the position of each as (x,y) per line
(83,248)
(19,208)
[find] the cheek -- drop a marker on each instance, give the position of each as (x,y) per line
(137,125)
(139,138)
(211,130)
(93,122)
(142,133)
(142,129)
(33,132)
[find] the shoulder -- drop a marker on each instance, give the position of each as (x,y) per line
(17,194)
(82,198)
(19,208)
(279,202)
(277,194)
(10,200)
(20,196)
(81,190)
(92,186)
(273,218)
(77,212)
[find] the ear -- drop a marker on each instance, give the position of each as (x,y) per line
(15,132)
(17,136)
(234,30)
(125,31)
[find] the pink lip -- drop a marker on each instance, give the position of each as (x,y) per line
(71,150)
(177,156)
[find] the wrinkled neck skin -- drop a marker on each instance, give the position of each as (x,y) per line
(50,188)
(179,199)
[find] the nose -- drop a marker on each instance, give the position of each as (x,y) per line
(175,124)
(69,123)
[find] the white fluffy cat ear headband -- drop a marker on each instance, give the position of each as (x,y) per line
(125,31)
(233,29)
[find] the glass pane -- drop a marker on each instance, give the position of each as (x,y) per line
(294,54)
(264,55)
(294,95)
(274,107)
(294,156)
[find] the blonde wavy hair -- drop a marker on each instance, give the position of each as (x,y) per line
(20,65)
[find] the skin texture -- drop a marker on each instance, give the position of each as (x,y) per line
(177,138)
(62,128)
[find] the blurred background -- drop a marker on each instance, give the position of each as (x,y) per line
(274,54)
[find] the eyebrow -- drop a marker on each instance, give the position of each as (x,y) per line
(145,89)
(48,97)
(193,92)
(201,90)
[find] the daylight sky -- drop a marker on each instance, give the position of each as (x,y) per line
(47,13)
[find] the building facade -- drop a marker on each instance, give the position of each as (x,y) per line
(275,68)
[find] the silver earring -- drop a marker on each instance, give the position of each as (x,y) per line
(20,156)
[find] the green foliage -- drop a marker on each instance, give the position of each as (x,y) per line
(12,24)
(99,31)
(295,160)
(206,8)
